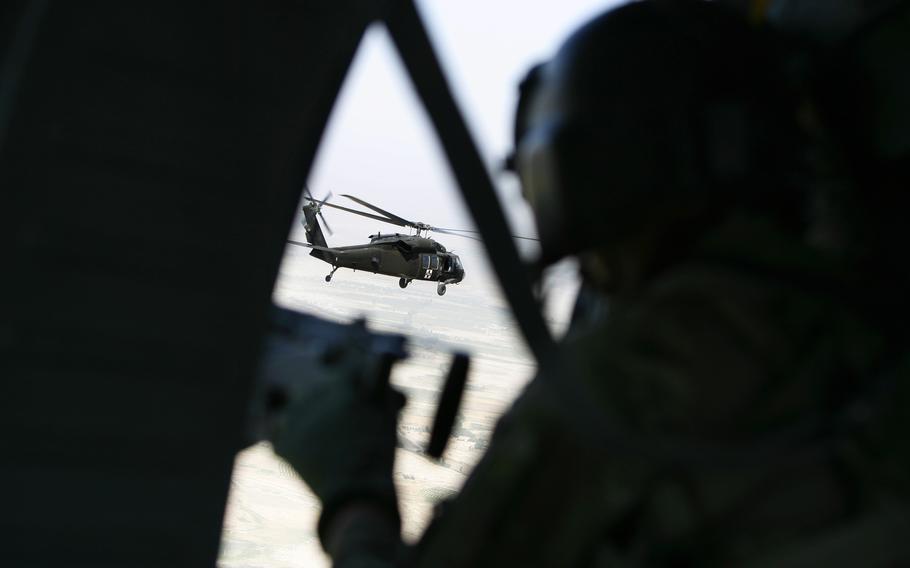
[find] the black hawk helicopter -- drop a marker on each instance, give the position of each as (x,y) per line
(407,257)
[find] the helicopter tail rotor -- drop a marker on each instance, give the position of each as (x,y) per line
(309,196)
(321,217)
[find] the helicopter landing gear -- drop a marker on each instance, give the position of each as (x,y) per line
(403,283)
(328,277)
(441,289)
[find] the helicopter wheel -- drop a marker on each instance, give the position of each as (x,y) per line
(403,282)
(328,277)
(441,289)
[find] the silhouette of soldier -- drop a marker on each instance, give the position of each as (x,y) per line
(744,396)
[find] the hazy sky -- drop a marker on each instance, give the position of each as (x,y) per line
(379,144)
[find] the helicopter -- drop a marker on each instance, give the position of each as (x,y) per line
(405,256)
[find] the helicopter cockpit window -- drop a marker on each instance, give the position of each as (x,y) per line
(429,262)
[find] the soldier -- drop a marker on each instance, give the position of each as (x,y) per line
(734,397)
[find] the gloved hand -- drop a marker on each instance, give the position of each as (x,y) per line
(339,432)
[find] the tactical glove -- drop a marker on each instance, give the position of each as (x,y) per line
(338,431)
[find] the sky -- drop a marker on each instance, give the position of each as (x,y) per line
(380,146)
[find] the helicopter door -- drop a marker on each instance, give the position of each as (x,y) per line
(429,263)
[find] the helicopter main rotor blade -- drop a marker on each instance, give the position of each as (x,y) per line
(444,229)
(369,215)
(454,234)
(312,246)
(404,222)
(393,219)
(458,233)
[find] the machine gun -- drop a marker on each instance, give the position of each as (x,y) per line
(302,347)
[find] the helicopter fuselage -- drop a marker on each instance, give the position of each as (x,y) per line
(406,257)
(403,256)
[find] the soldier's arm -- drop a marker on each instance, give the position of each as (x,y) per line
(544,495)
(362,536)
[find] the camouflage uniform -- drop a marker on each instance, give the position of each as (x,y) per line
(728,376)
